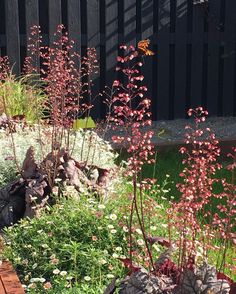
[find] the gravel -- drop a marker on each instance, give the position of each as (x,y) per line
(171,132)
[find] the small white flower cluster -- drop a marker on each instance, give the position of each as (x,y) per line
(58,272)
(36,280)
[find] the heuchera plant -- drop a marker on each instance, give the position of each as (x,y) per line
(64,73)
(197,186)
(191,217)
(129,110)
(67,79)
(190,237)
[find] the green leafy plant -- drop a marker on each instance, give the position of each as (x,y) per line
(18,96)
(84,123)
(76,243)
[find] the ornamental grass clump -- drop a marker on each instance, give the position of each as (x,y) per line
(19,98)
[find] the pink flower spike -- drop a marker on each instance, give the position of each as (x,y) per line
(116,83)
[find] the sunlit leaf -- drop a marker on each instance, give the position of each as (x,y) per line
(84,123)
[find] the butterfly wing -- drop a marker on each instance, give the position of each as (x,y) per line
(143,47)
(143,44)
(149,52)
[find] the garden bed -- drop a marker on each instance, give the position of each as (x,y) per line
(86,220)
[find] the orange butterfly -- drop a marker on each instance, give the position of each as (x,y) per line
(143,47)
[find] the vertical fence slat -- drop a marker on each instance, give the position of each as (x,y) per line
(103,14)
(197,55)
(234,83)
(163,59)
(54,12)
(229,58)
(31,14)
(130,22)
(93,40)
(74,23)
(213,56)
(180,58)
(32,18)
(204,76)
(111,39)
(154,85)
(147,18)
(2,26)
(221,61)
(12,34)
(93,23)
(172,58)
(145,31)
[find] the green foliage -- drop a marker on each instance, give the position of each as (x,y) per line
(20,96)
(84,123)
(75,242)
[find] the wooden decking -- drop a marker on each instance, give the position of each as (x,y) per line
(9,282)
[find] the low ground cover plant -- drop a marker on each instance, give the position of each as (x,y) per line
(139,237)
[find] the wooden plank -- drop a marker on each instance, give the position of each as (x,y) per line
(188,77)
(234,106)
(10,280)
(171,81)
(220,81)
(103,14)
(172,58)
(2,289)
(74,23)
(2,23)
(155,87)
(32,19)
(163,59)
(204,76)
(146,32)
(54,13)
(12,34)
(180,58)
(221,62)
(229,57)
(147,18)
(197,55)
(111,40)
(31,14)
(93,40)
(213,56)
(93,23)
(139,19)
(130,22)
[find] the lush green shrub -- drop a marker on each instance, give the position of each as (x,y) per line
(77,241)
(81,239)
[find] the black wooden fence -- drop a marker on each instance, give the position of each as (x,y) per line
(194,44)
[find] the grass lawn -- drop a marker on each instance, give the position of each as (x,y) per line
(169,162)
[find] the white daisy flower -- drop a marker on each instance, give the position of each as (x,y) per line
(87,278)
